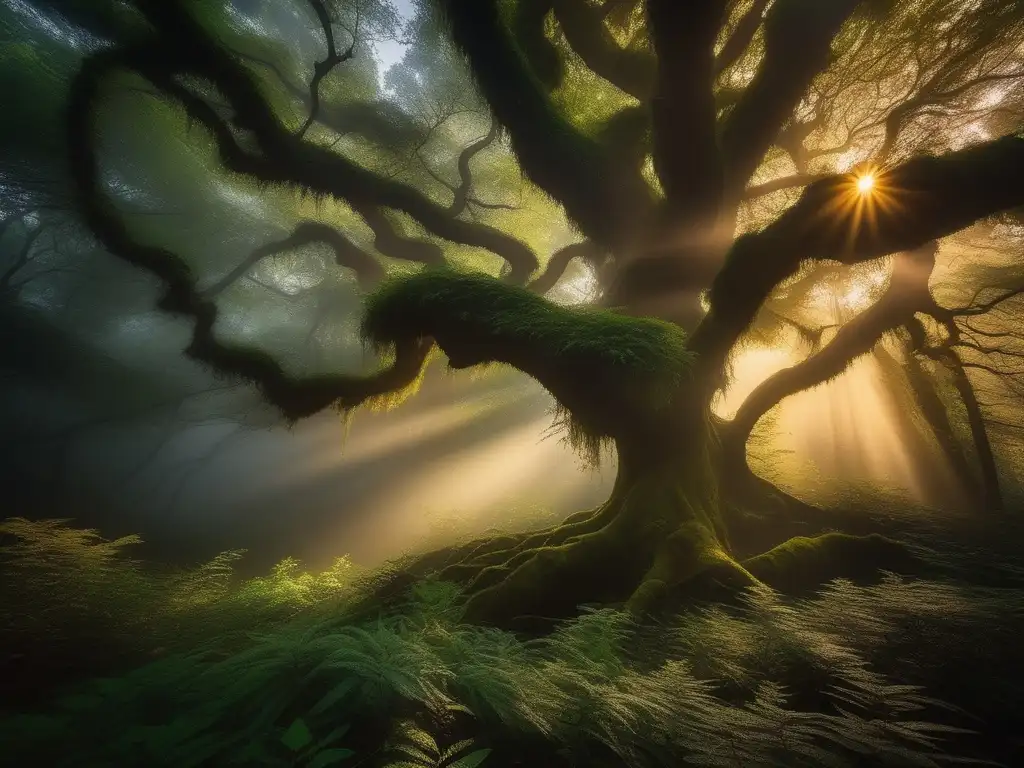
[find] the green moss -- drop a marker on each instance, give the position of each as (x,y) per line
(574,352)
(424,303)
(802,564)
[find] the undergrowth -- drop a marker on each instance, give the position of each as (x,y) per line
(280,677)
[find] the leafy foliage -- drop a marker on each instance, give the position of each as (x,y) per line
(774,682)
(71,586)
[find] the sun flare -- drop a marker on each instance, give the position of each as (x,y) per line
(866,183)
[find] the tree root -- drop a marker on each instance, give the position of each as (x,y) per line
(802,564)
(649,549)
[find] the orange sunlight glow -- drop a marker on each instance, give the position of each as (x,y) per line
(848,428)
(866,183)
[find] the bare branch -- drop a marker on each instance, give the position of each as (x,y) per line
(798,38)
(906,294)
(323,68)
(346,254)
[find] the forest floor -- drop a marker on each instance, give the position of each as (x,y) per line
(111,662)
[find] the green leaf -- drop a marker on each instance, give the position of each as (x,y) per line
(333,736)
(330,757)
(297,736)
(472,760)
(455,749)
(414,753)
(333,696)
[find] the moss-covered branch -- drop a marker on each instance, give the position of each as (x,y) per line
(295,397)
(583,24)
(615,376)
(798,41)
(925,198)
(608,202)
(284,158)
(684,114)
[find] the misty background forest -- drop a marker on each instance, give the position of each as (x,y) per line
(505,382)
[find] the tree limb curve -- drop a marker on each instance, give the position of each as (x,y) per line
(295,397)
(923,199)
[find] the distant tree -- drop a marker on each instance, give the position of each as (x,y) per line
(720,166)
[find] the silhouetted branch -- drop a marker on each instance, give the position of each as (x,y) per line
(684,114)
(346,254)
(559,262)
(295,397)
(542,58)
(606,201)
(784,182)
(798,41)
(583,25)
(285,159)
(956,365)
(934,410)
(923,199)
(390,242)
(379,121)
(461,198)
(741,36)
(906,294)
(323,68)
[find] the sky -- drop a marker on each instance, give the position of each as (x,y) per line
(390,52)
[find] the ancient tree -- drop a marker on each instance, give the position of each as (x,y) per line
(719,162)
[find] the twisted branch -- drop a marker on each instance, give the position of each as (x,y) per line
(295,397)
(346,254)
(906,294)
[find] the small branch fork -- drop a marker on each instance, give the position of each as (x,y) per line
(323,68)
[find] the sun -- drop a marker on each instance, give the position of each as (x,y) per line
(866,183)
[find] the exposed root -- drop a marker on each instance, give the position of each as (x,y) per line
(803,564)
(656,544)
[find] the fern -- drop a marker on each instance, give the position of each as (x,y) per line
(414,747)
(714,686)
